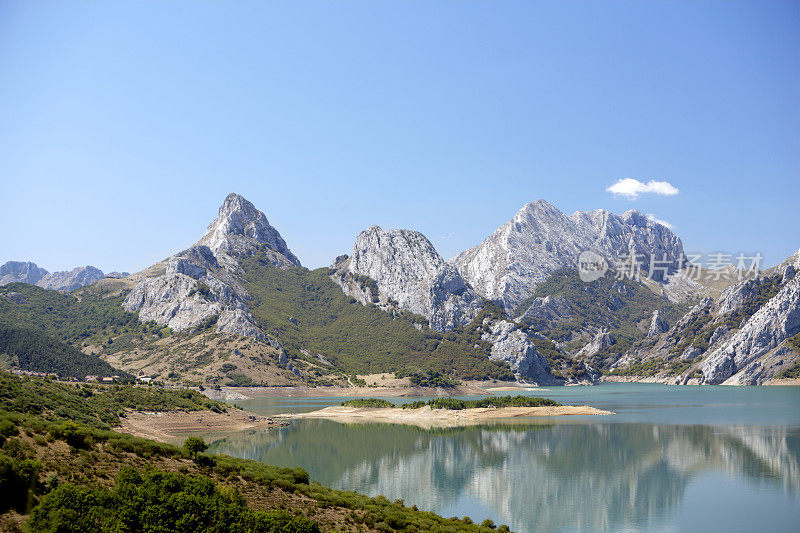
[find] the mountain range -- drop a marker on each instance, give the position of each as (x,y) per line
(238,308)
(67,280)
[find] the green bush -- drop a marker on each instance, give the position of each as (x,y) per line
(368,402)
(157,501)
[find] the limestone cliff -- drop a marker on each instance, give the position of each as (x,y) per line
(407,269)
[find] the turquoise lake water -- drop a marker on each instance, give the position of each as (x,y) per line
(672,459)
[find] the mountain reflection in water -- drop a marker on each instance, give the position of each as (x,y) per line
(539,476)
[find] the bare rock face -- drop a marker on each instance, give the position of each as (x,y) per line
(737,360)
(540,239)
(407,269)
(199,287)
(515,347)
(71,279)
(657,325)
(602,340)
(22,272)
(548,309)
(118,275)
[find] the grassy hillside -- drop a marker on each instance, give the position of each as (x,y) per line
(622,307)
(305,310)
(60,475)
(34,350)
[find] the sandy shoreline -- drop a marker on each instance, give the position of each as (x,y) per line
(426,417)
(174,426)
(243,393)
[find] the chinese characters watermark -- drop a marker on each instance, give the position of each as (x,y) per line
(716,266)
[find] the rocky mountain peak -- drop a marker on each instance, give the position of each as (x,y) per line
(540,239)
(21,271)
(203,284)
(69,280)
(240,227)
(407,269)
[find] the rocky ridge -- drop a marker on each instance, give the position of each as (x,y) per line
(540,239)
(71,279)
(67,280)
(401,268)
(757,352)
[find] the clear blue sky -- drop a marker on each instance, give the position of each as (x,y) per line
(123,125)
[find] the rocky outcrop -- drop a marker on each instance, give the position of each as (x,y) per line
(406,268)
(737,360)
(22,272)
(200,287)
(657,325)
(540,239)
(513,346)
(548,309)
(69,280)
(600,341)
(118,275)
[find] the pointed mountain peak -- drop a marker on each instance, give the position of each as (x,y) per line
(539,206)
(239,226)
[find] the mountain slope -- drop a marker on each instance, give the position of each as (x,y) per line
(201,284)
(311,316)
(746,337)
(613,313)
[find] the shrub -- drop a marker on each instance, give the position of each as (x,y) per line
(367,402)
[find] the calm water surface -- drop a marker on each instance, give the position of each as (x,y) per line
(671,459)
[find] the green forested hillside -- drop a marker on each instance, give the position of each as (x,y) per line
(34,350)
(599,304)
(306,310)
(74,319)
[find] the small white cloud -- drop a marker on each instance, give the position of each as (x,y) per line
(631,188)
(657,220)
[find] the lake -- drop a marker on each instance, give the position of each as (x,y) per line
(672,459)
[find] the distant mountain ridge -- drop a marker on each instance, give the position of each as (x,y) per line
(68,280)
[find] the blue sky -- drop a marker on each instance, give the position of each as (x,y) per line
(123,125)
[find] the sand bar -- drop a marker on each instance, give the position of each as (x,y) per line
(427,418)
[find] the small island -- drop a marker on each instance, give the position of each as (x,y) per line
(446,412)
